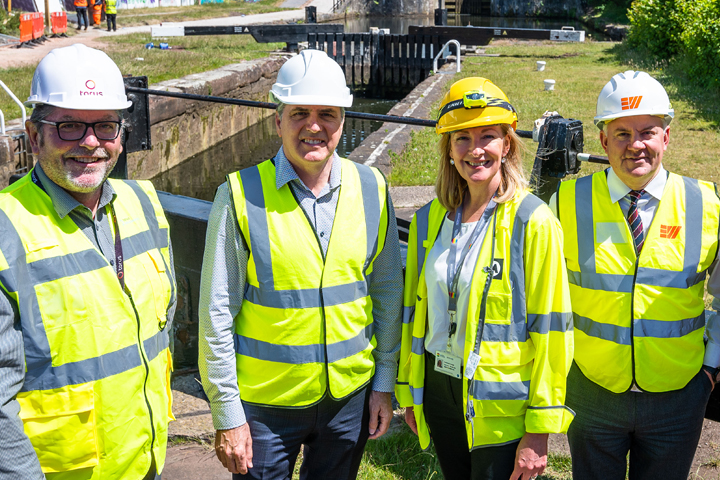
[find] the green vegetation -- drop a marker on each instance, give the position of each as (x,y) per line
(152,16)
(9,24)
(188,55)
(581,70)
(612,11)
(684,34)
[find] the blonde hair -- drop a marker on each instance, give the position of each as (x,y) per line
(450,186)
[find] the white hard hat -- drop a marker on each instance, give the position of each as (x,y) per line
(312,78)
(78,78)
(632,93)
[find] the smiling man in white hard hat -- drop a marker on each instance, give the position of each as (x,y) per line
(639,243)
(301,294)
(87,282)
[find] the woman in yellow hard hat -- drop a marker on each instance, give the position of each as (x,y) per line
(487,325)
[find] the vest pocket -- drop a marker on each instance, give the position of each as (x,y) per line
(160,285)
(61,426)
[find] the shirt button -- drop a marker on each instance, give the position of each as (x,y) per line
(112,262)
(322,234)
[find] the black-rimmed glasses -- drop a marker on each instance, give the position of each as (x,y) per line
(70,131)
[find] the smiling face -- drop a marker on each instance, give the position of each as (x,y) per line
(478,153)
(635,146)
(80,166)
(309,133)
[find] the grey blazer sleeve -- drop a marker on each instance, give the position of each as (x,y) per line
(17,457)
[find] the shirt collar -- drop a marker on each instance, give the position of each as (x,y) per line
(285,172)
(618,189)
(63,202)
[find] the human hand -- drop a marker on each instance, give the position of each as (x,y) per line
(531,456)
(380,413)
(410,419)
(712,380)
(234,449)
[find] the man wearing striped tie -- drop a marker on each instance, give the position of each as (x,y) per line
(639,243)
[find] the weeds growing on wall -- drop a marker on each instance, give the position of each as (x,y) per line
(9,24)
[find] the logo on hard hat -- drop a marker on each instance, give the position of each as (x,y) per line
(90,85)
(630,103)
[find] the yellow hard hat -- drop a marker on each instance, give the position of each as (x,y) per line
(474,102)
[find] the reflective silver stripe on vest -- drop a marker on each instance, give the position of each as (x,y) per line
(601,281)
(265,294)
(418,393)
(302,354)
(408,314)
(96,368)
(422,219)
(552,322)
(512,332)
(668,329)
(527,207)
(590,279)
(501,390)
(371,203)
(604,331)
(418,346)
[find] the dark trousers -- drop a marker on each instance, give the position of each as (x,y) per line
(110,17)
(660,430)
(443,407)
(82,17)
(333,433)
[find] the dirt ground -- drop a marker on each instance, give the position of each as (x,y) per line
(15,57)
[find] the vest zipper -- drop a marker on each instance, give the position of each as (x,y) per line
(147,372)
(632,325)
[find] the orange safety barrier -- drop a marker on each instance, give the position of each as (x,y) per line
(26,27)
(38,29)
(58,22)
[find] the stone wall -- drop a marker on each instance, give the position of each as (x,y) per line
(7,160)
(390,7)
(182,128)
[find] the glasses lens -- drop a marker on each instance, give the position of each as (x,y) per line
(71,130)
(107,130)
(76,130)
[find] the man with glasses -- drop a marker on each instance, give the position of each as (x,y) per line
(87,290)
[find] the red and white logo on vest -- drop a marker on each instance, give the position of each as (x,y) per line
(90,86)
(630,103)
(669,231)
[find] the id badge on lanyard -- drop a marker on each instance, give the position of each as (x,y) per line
(445,361)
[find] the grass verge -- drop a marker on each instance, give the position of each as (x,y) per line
(188,55)
(580,70)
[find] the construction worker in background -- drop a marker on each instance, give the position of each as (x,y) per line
(487,324)
(97,12)
(111,14)
(639,243)
(301,293)
(87,290)
(82,15)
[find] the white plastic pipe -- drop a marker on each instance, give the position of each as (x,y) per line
(15,99)
(2,123)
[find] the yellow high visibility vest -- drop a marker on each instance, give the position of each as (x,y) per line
(639,319)
(110,7)
(96,398)
(526,349)
(306,325)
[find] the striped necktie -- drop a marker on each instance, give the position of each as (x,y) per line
(634,220)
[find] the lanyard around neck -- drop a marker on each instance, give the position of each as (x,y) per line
(454,266)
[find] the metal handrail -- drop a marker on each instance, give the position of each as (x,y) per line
(15,99)
(2,123)
(442,50)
